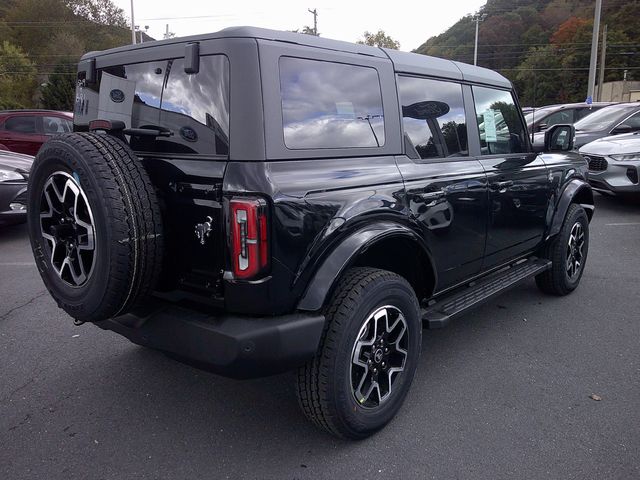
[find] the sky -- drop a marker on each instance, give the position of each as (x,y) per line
(410,23)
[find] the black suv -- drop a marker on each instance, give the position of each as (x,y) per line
(253,202)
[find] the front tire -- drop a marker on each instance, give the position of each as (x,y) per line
(368,355)
(568,254)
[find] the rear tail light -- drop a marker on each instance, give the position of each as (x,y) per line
(249,236)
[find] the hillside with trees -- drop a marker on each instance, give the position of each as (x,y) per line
(544,46)
(41,42)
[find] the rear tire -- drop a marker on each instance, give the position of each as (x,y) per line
(94,224)
(337,389)
(568,254)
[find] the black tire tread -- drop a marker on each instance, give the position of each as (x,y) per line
(134,220)
(312,379)
(552,281)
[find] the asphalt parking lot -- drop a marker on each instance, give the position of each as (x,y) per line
(502,393)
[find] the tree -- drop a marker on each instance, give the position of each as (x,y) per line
(104,12)
(17,77)
(379,39)
(59,92)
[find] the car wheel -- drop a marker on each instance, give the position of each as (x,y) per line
(568,254)
(368,355)
(94,224)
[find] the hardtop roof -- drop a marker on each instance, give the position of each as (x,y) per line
(404,62)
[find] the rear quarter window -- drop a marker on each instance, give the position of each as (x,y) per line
(330,105)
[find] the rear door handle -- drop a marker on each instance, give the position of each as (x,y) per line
(502,186)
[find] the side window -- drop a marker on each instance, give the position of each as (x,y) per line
(330,105)
(21,124)
(54,125)
(433,117)
(499,123)
(563,116)
(633,121)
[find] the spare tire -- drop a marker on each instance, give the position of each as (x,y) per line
(95,225)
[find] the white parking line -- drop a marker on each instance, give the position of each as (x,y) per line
(621,224)
(18,264)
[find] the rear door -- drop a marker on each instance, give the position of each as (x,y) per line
(446,187)
(518,184)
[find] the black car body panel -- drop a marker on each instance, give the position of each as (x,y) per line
(375,200)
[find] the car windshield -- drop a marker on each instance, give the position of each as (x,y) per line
(604,118)
(537,113)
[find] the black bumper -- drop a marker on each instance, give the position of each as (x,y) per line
(233,346)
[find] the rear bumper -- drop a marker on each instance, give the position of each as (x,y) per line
(233,346)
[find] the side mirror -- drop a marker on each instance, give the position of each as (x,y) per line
(192,58)
(622,128)
(559,138)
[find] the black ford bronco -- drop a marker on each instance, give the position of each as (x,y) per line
(253,201)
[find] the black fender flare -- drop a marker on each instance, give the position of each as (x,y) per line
(344,254)
(574,188)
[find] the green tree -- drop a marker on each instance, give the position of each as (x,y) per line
(17,77)
(59,92)
(103,12)
(379,39)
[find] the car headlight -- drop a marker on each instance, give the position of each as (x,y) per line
(8,175)
(626,157)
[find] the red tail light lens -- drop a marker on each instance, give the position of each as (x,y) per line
(249,236)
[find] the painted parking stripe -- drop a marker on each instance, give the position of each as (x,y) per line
(18,264)
(622,224)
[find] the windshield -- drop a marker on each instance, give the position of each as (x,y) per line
(604,118)
(536,114)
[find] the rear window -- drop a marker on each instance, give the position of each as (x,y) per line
(192,110)
(330,105)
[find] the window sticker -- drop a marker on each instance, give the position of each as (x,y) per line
(489,117)
(345,109)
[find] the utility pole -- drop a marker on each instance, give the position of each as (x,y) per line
(133,26)
(594,52)
(167,33)
(603,55)
(315,20)
(477,18)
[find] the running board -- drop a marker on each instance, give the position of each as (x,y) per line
(440,312)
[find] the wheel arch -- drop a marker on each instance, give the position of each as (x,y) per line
(576,191)
(385,245)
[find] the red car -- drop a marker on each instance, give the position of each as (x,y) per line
(24,131)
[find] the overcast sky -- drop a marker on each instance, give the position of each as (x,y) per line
(411,23)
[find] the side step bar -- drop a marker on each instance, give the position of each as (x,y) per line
(440,312)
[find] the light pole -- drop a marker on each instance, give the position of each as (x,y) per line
(594,53)
(133,26)
(477,18)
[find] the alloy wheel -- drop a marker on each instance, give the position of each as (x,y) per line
(66,223)
(379,356)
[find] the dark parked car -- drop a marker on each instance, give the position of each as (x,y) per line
(24,131)
(253,201)
(539,119)
(14,173)
(611,120)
